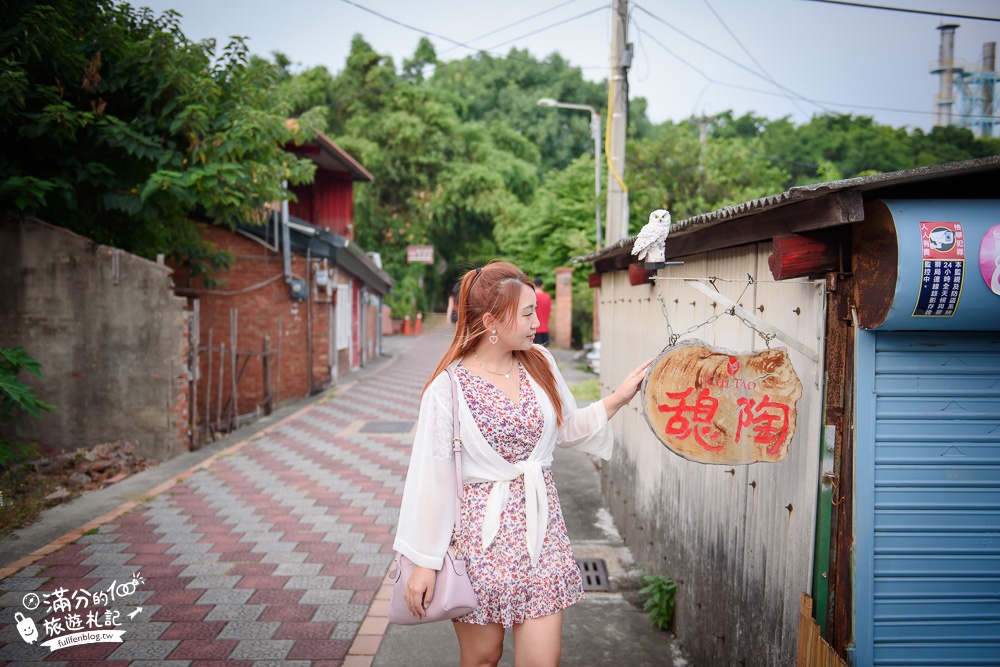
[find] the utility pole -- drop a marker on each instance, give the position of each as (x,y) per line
(621,59)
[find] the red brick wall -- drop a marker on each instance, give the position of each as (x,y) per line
(256,288)
(562,331)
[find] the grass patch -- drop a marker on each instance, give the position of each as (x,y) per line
(589,390)
(92,531)
(23,493)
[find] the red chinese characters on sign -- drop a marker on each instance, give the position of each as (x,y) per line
(698,423)
(716,407)
(768,420)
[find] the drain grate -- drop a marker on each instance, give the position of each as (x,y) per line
(386,427)
(594,573)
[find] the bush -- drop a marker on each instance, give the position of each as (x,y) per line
(659,605)
(17,399)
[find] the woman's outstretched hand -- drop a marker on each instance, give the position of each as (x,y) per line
(627,389)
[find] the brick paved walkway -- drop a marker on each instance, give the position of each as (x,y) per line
(270,554)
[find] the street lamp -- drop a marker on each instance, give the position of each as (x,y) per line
(595,131)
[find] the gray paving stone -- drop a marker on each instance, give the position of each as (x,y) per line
(104,548)
(201,569)
(371,559)
(310,583)
(376,570)
(24,584)
(360,548)
(262,537)
(249,630)
(262,649)
(340,612)
(35,664)
(326,597)
(282,663)
(298,569)
(189,548)
(193,558)
(173,528)
(98,537)
(235,612)
(367,495)
(248,526)
(273,547)
(157,663)
(180,537)
(215,581)
(143,629)
(310,510)
(144,649)
(107,559)
(119,572)
(345,630)
(225,596)
(284,557)
(343,537)
(328,522)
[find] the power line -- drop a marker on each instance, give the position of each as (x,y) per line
(909,11)
(774,94)
(553,25)
(460,44)
(511,25)
(407,26)
(724,56)
(750,55)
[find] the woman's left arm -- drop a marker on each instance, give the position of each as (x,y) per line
(626,390)
(586,428)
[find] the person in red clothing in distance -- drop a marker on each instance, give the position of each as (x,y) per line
(542,311)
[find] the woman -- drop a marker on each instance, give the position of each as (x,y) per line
(514,408)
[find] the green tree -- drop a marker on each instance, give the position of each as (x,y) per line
(556,227)
(677,171)
(506,90)
(115,125)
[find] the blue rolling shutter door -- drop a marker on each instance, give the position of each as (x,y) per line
(936,543)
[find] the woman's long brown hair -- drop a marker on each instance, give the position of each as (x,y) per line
(495,289)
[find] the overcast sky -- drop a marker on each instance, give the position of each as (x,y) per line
(774,58)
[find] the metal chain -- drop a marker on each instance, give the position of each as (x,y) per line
(672,337)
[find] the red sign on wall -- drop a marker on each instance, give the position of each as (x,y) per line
(713,406)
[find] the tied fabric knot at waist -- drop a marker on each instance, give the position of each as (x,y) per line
(536,506)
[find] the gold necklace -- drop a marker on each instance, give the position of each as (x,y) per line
(506,375)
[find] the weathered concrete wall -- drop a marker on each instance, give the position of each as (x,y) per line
(109,334)
(737,540)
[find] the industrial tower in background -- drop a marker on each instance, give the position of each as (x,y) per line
(972,88)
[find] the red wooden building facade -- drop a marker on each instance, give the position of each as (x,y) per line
(298,308)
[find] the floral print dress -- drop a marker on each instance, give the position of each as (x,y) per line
(509,589)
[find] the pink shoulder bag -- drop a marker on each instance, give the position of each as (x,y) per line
(453,594)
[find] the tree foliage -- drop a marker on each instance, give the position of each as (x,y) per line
(115,125)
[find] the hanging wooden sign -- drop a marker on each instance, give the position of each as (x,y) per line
(712,406)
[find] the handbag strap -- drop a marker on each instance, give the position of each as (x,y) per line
(456,447)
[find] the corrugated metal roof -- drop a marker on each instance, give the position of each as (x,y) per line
(871,183)
(339,249)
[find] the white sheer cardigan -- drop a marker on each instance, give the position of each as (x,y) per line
(427,514)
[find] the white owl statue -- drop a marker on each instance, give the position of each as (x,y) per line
(650,245)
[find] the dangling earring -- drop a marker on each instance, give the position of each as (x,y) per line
(493,337)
